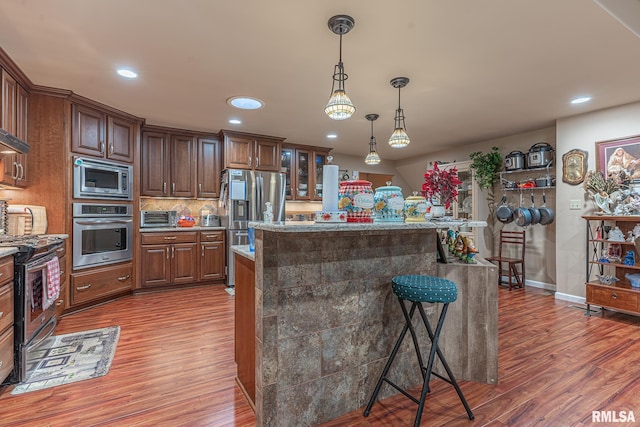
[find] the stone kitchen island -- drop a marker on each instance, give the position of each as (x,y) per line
(326,319)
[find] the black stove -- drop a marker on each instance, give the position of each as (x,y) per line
(31,246)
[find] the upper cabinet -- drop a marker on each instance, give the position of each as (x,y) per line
(99,134)
(208,168)
(13,167)
(302,166)
(247,151)
(167,165)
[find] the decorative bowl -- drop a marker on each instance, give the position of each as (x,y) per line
(607,280)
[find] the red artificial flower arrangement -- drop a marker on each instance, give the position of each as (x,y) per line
(441,184)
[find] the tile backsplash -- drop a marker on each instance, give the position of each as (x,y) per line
(183,206)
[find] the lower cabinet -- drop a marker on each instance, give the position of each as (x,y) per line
(181,257)
(212,255)
(100,283)
(245,325)
(6,316)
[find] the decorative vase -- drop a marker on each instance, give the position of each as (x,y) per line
(415,207)
(437,211)
(602,203)
(389,204)
(356,197)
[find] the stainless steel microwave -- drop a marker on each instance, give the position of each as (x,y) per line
(100,179)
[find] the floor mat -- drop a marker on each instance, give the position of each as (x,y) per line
(63,359)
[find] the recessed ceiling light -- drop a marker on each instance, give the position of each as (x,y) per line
(127,73)
(245,103)
(332,136)
(235,121)
(580,99)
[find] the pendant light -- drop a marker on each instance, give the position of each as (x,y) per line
(372,158)
(399,137)
(340,106)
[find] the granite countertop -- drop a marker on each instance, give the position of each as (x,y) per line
(311,226)
(172,229)
(244,251)
(7,251)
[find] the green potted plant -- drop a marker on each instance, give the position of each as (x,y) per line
(485,167)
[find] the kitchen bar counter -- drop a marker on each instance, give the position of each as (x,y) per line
(326,318)
(173,229)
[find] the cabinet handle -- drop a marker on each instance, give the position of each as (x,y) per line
(60,249)
(207,236)
(123,278)
(614,295)
(202,250)
(82,288)
(170,237)
(164,188)
(173,188)
(173,252)
(199,188)
(15,175)
(59,302)
(167,253)
(61,273)
(111,148)
(249,161)
(1,274)
(102,146)
(21,177)
(1,313)
(257,161)
(1,363)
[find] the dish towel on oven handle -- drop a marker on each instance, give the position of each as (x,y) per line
(52,291)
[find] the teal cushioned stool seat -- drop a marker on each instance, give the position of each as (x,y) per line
(418,288)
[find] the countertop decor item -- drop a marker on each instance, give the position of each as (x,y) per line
(389,203)
(415,208)
(356,197)
(441,185)
(485,167)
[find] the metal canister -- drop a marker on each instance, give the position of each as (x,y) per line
(389,204)
(415,208)
(356,198)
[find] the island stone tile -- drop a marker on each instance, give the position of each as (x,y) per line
(299,359)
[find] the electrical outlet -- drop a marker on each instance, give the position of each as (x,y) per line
(575,204)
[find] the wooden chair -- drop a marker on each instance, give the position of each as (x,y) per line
(511,256)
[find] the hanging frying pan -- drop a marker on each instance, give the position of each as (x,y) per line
(535,212)
(546,214)
(504,212)
(522,215)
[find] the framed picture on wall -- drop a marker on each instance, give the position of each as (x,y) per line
(574,166)
(619,155)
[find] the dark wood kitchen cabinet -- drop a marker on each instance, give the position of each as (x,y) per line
(100,283)
(212,255)
(248,151)
(245,325)
(169,258)
(6,316)
(302,166)
(208,168)
(13,166)
(168,165)
(98,134)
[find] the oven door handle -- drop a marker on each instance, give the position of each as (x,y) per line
(105,221)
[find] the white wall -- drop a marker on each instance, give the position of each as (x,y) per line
(387,167)
(583,132)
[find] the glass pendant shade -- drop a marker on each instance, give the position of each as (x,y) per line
(399,138)
(339,106)
(372,158)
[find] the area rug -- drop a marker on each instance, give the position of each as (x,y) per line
(63,359)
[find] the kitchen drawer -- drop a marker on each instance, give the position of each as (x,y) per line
(212,236)
(99,283)
(164,238)
(6,354)
(612,297)
(6,306)
(6,269)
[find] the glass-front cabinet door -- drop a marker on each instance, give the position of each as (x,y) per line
(286,166)
(320,161)
(303,165)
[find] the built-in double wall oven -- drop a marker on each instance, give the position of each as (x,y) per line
(102,234)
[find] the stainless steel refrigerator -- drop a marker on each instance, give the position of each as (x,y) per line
(243,198)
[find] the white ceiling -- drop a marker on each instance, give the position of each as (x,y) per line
(478,69)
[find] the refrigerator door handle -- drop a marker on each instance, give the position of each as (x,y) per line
(260,186)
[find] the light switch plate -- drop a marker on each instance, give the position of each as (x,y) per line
(575,204)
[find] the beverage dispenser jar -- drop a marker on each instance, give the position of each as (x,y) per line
(415,208)
(388,204)
(356,198)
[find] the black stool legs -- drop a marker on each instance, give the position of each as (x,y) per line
(425,371)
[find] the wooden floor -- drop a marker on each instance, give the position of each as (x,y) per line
(174,367)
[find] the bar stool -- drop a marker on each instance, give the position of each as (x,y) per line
(420,289)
